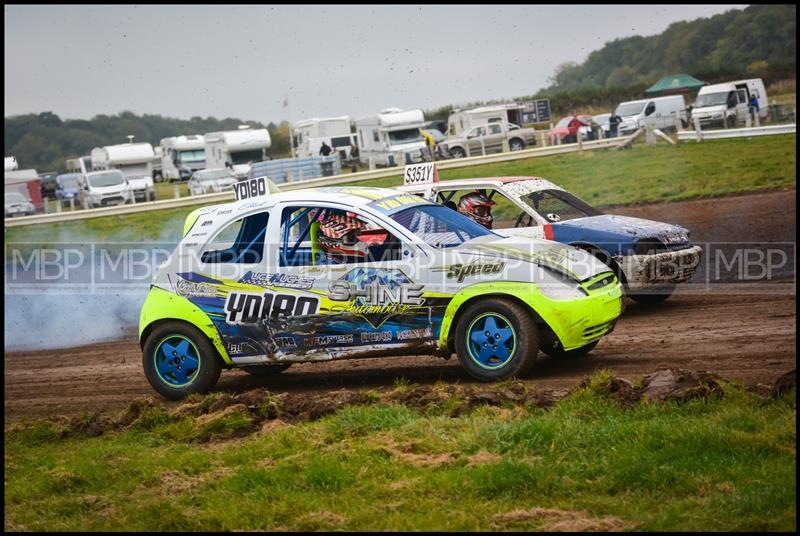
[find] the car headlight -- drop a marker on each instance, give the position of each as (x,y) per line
(558,286)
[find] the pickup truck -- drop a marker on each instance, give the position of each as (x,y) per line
(489,138)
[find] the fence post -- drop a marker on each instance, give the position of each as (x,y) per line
(175,191)
(58,205)
(71,204)
(579,135)
(371,163)
(747,121)
(45,204)
(483,146)
(757,118)
(544,139)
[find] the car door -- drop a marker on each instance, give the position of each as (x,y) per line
(368,302)
(476,138)
(494,138)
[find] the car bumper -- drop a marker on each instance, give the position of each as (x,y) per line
(668,268)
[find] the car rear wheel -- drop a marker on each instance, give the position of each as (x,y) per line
(179,360)
(516,144)
(457,152)
(266,370)
(496,339)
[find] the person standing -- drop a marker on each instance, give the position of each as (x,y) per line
(325,150)
(753,104)
(613,124)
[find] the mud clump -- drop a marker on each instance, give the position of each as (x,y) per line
(785,383)
(679,385)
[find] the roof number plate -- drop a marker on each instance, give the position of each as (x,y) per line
(251,188)
(421,173)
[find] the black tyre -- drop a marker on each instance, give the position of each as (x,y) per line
(731,121)
(457,152)
(560,353)
(496,339)
(179,360)
(266,370)
(516,144)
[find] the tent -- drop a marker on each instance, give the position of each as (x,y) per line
(674,83)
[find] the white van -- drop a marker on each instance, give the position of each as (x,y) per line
(729,102)
(660,112)
(392,138)
(99,188)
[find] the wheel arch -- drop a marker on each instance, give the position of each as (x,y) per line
(595,250)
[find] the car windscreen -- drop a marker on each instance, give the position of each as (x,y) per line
(68,181)
(439,226)
(558,205)
(15,197)
(711,99)
(563,123)
(410,135)
(106,179)
(630,108)
(213,175)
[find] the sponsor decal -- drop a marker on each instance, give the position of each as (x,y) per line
(207,222)
(192,288)
(277,280)
(421,333)
(381,336)
(198,234)
(376,293)
(286,342)
(222,212)
(249,308)
(325,340)
(462,271)
(236,348)
(393,204)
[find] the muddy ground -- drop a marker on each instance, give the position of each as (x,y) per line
(744,332)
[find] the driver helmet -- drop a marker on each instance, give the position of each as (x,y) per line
(339,232)
(477,206)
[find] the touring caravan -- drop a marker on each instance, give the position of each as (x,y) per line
(134,160)
(335,131)
(392,138)
(462,120)
(182,156)
(660,112)
(236,149)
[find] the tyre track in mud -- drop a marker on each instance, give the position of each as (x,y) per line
(743,332)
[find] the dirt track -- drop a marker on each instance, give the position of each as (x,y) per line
(746,333)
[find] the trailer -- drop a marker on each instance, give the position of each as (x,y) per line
(182,156)
(392,138)
(134,160)
(236,149)
(462,120)
(335,131)
(10,163)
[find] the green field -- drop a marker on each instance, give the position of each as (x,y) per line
(588,463)
(604,178)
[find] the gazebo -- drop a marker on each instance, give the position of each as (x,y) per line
(673,84)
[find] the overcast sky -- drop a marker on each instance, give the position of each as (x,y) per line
(269,63)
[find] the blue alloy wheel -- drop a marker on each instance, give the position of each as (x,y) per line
(176,361)
(491,340)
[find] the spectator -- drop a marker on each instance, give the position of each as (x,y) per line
(325,150)
(613,125)
(753,104)
(353,151)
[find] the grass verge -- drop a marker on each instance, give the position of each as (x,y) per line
(406,460)
(603,178)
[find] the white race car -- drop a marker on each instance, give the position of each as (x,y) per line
(332,273)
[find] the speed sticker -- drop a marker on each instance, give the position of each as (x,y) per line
(421,173)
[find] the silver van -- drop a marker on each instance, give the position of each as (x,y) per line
(101,188)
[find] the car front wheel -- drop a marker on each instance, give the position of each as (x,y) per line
(516,144)
(457,152)
(179,360)
(496,339)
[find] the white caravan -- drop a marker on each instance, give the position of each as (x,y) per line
(82,165)
(182,156)
(134,160)
(236,149)
(10,163)
(729,102)
(660,112)
(392,138)
(462,120)
(335,131)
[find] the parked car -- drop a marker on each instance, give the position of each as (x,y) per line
(336,273)
(603,121)
(67,187)
(568,127)
(650,257)
(101,188)
(208,181)
(489,138)
(18,205)
(48,184)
